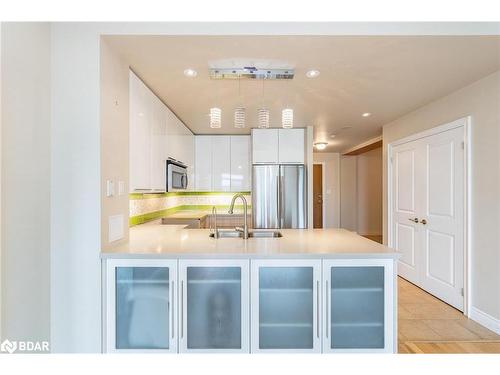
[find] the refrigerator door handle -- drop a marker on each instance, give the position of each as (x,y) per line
(281,206)
(278,200)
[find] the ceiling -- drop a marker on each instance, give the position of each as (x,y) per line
(385,75)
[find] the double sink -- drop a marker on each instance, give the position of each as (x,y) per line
(232,233)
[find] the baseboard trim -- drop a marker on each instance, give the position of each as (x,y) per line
(485,320)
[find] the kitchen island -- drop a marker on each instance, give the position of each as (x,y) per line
(171,289)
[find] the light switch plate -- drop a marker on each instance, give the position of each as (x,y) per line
(121,187)
(115,228)
(110,188)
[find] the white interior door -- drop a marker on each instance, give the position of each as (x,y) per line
(405,238)
(442,212)
(428,213)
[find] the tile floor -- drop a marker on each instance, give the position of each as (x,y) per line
(423,317)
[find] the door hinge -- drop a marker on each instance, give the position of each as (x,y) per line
(462,292)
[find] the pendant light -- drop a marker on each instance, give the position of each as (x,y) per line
(287,113)
(239,112)
(263,112)
(216,112)
(287,118)
(215,117)
(263,118)
(239,117)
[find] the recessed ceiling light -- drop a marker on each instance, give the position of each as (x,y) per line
(190,73)
(312,73)
(320,145)
(366,114)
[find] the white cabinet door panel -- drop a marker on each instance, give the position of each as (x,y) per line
(265,146)
(214,303)
(359,305)
(141,305)
(203,163)
(286,306)
(158,140)
(240,163)
(291,146)
(139,136)
(221,163)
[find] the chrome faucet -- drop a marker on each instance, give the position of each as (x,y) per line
(213,218)
(245,210)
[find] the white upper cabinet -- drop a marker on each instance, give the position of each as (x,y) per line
(158,139)
(203,163)
(155,133)
(283,146)
(240,163)
(291,147)
(139,136)
(264,146)
(221,163)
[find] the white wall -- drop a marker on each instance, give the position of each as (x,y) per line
(361,192)
(114,138)
(348,193)
(26,192)
(369,182)
(331,182)
(481,100)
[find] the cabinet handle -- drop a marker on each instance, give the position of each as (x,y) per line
(172,306)
(182,309)
(317,308)
(326,313)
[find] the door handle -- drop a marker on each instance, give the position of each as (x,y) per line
(326,311)
(172,309)
(415,220)
(423,221)
(317,308)
(182,309)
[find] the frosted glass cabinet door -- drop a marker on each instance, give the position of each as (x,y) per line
(142,305)
(285,305)
(214,303)
(358,302)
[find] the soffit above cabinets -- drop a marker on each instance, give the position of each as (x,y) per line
(387,76)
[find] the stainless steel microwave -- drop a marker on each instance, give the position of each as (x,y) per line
(177,176)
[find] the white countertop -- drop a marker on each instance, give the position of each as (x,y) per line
(152,240)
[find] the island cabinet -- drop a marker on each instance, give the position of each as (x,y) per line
(214,305)
(285,308)
(261,305)
(359,301)
(141,305)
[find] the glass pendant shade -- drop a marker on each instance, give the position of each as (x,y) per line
(263,118)
(287,118)
(239,117)
(215,117)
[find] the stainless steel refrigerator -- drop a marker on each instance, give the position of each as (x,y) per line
(279,196)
